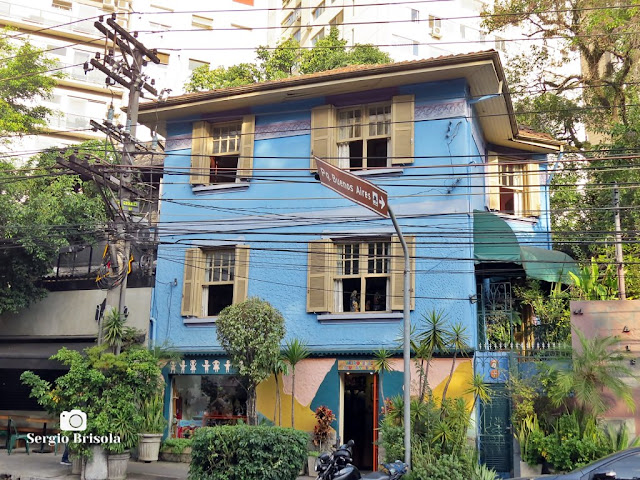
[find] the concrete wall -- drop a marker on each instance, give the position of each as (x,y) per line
(609,318)
(72,313)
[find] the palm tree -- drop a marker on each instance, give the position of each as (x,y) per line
(294,352)
(113,329)
(279,368)
(479,389)
(458,341)
(431,340)
(597,367)
(381,364)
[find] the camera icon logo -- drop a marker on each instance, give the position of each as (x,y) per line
(73,421)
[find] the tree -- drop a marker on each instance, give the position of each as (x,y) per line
(598,368)
(432,339)
(42,209)
(603,96)
(24,82)
(279,368)
(286,60)
(251,332)
(294,353)
(382,364)
(458,342)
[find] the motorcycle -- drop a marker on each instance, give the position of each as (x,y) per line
(338,466)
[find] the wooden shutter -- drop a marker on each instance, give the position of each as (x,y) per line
(533,190)
(402,127)
(323,135)
(397,272)
(492,181)
(201,146)
(319,288)
(241,277)
(192,284)
(245,162)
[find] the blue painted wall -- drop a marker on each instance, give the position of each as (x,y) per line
(285,208)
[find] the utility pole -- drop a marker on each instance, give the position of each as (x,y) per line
(128,73)
(619,257)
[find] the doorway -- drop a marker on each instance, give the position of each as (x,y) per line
(359,412)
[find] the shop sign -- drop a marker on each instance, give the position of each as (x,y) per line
(355,365)
(192,366)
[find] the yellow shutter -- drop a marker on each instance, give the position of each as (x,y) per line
(200,150)
(245,162)
(492,181)
(402,126)
(397,272)
(192,284)
(533,190)
(319,277)
(323,143)
(241,278)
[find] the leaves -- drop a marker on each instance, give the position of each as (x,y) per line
(286,60)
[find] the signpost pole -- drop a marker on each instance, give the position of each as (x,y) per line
(374,198)
(406,352)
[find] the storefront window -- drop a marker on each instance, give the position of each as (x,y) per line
(206,400)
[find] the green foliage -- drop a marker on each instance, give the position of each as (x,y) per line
(151,411)
(590,284)
(431,339)
(176,445)
(294,352)
(113,328)
(382,364)
(242,452)
(286,60)
(41,211)
(106,387)
(598,366)
(24,82)
(550,306)
(427,466)
(251,332)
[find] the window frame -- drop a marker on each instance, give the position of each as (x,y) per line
(195,278)
(525,186)
(323,293)
(203,152)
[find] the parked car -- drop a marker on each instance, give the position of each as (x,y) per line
(624,465)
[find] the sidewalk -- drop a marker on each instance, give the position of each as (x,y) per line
(46,466)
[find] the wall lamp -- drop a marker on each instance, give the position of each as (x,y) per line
(625,329)
(577,312)
(473,298)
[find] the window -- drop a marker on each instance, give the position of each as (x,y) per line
(193,64)
(513,186)
(214,279)
(337,20)
(501,44)
(626,468)
(415,15)
(198,21)
(62,4)
(366,136)
(363,137)
(319,10)
(318,36)
(297,35)
(222,153)
(358,276)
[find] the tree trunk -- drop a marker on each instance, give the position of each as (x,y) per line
(275,407)
(293,397)
(384,404)
(446,386)
(252,417)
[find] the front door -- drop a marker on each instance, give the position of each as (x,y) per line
(358,414)
(495,438)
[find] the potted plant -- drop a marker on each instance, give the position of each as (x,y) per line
(152,426)
(176,450)
(312,457)
(107,388)
(322,430)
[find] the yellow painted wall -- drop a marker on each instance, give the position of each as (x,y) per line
(304,416)
(460,383)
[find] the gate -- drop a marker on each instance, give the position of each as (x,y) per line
(495,438)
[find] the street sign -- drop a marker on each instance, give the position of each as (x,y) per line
(353,188)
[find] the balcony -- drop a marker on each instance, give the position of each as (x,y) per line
(52,16)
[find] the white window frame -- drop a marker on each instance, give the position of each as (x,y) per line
(361,130)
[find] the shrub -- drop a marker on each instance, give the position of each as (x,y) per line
(176,445)
(444,467)
(243,452)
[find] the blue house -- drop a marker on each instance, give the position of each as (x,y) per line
(242,215)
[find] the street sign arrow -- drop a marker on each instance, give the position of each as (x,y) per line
(353,188)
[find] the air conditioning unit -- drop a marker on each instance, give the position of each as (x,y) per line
(436,32)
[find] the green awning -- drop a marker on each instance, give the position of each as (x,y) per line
(494,241)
